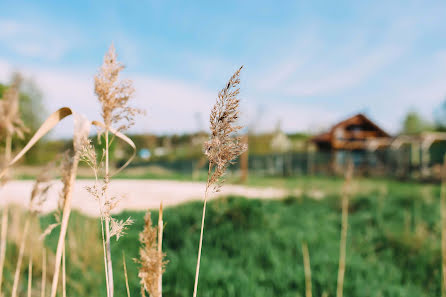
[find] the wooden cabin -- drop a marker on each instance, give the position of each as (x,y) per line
(355,137)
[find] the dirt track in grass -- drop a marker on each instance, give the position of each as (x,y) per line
(136,194)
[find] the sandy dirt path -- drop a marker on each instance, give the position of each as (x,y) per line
(137,194)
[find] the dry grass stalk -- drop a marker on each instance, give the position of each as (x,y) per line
(43,283)
(30,276)
(38,197)
(150,259)
(222,148)
(307,267)
(64,274)
(114,96)
(443,223)
(344,227)
(4,234)
(160,247)
(15,284)
(81,130)
(125,275)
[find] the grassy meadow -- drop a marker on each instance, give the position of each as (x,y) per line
(254,247)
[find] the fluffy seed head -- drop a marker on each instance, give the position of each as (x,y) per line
(114,94)
(150,259)
(224,146)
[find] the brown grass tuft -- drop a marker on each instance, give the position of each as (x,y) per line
(10,121)
(150,259)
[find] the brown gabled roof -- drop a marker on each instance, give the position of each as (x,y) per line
(328,136)
(324,137)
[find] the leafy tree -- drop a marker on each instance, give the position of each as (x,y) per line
(440,117)
(414,123)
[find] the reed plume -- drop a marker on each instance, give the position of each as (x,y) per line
(114,94)
(222,148)
(151,259)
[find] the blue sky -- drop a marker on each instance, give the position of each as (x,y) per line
(307,63)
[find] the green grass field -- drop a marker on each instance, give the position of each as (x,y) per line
(253,247)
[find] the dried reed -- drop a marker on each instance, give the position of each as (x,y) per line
(151,258)
(125,275)
(43,282)
(64,274)
(4,234)
(307,267)
(344,227)
(10,120)
(69,170)
(113,95)
(160,248)
(38,197)
(15,284)
(30,276)
(10,125)
(443,224)
(222,148)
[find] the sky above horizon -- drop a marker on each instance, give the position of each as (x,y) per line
(307,64)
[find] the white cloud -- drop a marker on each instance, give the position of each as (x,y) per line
(171,105)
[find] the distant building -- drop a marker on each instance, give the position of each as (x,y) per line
(354,133)
(354,136)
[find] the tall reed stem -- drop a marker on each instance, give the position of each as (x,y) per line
(43,283)
(64,225)
(4,231)
(19,260)
(344,227)
(105,255)
(443,224)
(4,235)
(125,275)
(197,270)
(107,226)
(307,268)
(160,248)
(30,275)
(64,274)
